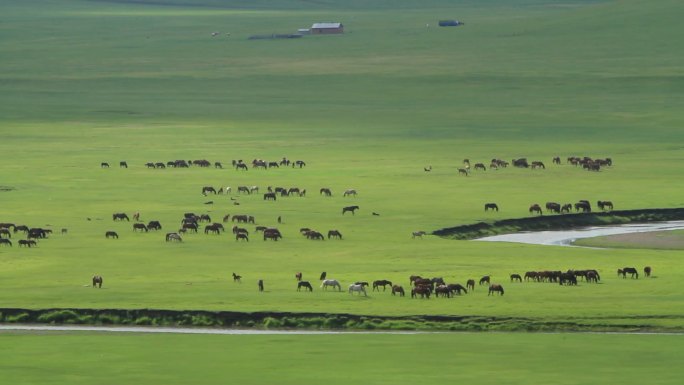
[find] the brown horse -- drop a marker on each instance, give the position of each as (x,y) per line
(237,278)
(140,226)
(111,234)
(97,280)
(298,276)
(470,284)
(304,284)
(484,280)
(605,205)
(242,236)
(496,289)
(516,277)
(397,289)
(630,270)
(535,208)
(27,243)
(491,206)
(350,208)
(457,288)
(647,271)
(326,191)
(120,217)
(423,291)
(334,234)
(381,282)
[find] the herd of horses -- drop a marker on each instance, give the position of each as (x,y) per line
(586,162)
(33,234)
(238,164)
(583,206)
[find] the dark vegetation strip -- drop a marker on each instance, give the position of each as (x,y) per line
(318,321)
(559,222)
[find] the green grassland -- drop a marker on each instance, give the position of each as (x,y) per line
(82,82)
(340,359)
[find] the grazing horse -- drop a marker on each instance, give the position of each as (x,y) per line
(535,208)
(241,166)
(326,191)
(357,288)
(491,206)
(334,234)
(350,208)
(480,166)
(496,289)
(315,235)
(381,282)
(104,165)
(140,226)
(298,276)
(212,228)
(630,270)
(398,289)
(556,160)
(484,280)
(350,191)
(237,278)
(305,285)
(111,234)
(331,282)
(418,234)
(423,291)
(154,225)
(553,207)
(97,280)
(536,164)
(242,236)
(605,205)
(27,243)
(443,290)
(208,189)
(462,171)
(647,271)
(6,232)
(4,242)
(583,206)
(270,196)
(261,285)
(456,288)
(123,164)
(273,234)
(173,237)
(566,208)
(120,217)
(516,277)
(470,284)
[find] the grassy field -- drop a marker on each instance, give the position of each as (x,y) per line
(85,82)
(339,359)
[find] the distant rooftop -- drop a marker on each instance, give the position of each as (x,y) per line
(326,25)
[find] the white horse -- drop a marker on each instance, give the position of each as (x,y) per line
(350,191)
(254,189)
(331,282)
(357,288)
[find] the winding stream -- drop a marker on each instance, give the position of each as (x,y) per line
(567,237)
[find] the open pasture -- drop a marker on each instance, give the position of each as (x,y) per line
(84,358)
(91,82)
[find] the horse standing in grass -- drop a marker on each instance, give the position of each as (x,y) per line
(516,277)
(304,284)
(496,289)
(491,206)
(350,208)
(237,278)
(97,281)
(484,280)
(358,289)
(471,284)
(647,271)
(398,289)
(381,282)
(331,282)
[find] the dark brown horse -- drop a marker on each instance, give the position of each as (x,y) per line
(350,208)
(111,234)
(27,243)
(315,235)
(270,196)
(516,277)
(457,288)
(423,291)
(647,271)
(298,276)
(326,191)
(241,236)
(397,289)
(535,208)
(120,216)
(485,280)
(304,284)
(154,225)
(605,205)
(630,270)
(334,234)
(97,280)
(5,242)
(208,189)
(381,282)
(237,278)
(491,206)
(496,289)
(140,226)
(470,284)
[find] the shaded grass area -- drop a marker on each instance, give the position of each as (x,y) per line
(560,222)
(653,240)
(280,320)
(489,358)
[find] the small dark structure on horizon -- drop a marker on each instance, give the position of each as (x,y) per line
(450,23)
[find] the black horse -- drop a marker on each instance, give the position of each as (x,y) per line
(97,281)
(305,285)
(381,282)
(111,234)
(630,270)
(349,208)
(120,217)
(491,206)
